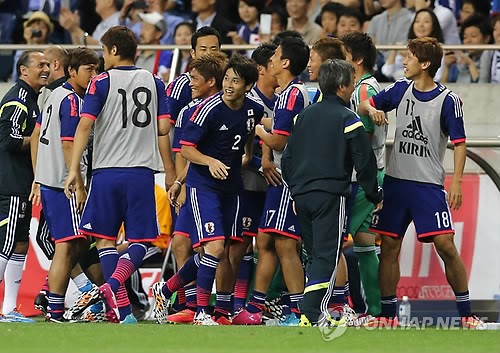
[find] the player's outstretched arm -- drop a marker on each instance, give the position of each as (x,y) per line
(455,191)
(217,169)
(378,116)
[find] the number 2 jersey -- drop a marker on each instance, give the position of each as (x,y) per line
(58,122)
(125,103)
(221,133)
(424,122)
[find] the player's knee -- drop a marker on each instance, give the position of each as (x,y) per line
(21,247)
(446,249)
(215,248)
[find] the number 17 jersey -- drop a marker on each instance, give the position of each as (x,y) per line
(125,103)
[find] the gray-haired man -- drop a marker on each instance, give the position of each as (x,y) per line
(318,176)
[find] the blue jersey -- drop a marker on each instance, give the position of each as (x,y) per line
(179,94)
(220,132)
(181,122)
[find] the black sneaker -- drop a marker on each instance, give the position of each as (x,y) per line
(41,302)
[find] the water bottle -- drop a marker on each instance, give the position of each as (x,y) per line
(404,312)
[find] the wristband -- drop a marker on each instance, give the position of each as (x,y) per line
(178,182)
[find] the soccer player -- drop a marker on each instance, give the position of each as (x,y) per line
(361,54)
(279,228)
(18,113)
(322,50)
(179,94)
(214,140)
(254,184)
(128,107)
(414,178)
(206,74)
(59,121)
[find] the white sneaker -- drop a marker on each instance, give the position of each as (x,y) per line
(350,316)
(160,303)
(204,319)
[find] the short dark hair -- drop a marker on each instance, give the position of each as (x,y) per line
(285,34)
(118,4)
(330,7)
(123,39)
(244,67)
(25,59)
(262,54)
(482,7)
(258,4)
(78,57)
(427,49)
(437,31)
(297,52)
(329,48)
(210,65)
(350,12)
(185,23)
(333,74)
(204,32)
(361,46)
(478,21)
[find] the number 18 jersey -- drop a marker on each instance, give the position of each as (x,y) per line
(125,103)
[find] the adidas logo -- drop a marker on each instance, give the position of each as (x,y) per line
(88,226)
(223,128)
(291,228)
(414,131)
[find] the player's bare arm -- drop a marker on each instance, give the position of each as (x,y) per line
(177,192)
(217,169)
(277,142)
(168,163)
(35,188)
(247,157)
(378,116)
(455,191)
(74,179)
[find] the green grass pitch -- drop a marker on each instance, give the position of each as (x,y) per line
(151,338)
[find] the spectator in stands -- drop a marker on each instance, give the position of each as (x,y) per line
(474,7)
(183,33)
(37,29)
(207,16)
(152,29)
(108,10)
(299,21)
(495,62)
(389,27)
(129,15)
(444,15)
(425,24)
(171,20)
(350,21)
(248,29)
(392,25)
(279,20)
(328,18)
(471,66)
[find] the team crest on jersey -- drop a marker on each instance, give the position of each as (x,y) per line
(247,222)
(210,227)
(250,112)
(250,124)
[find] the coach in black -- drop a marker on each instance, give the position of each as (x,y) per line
(328,139)
(18,113)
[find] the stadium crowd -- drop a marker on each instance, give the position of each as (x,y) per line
(232,134)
